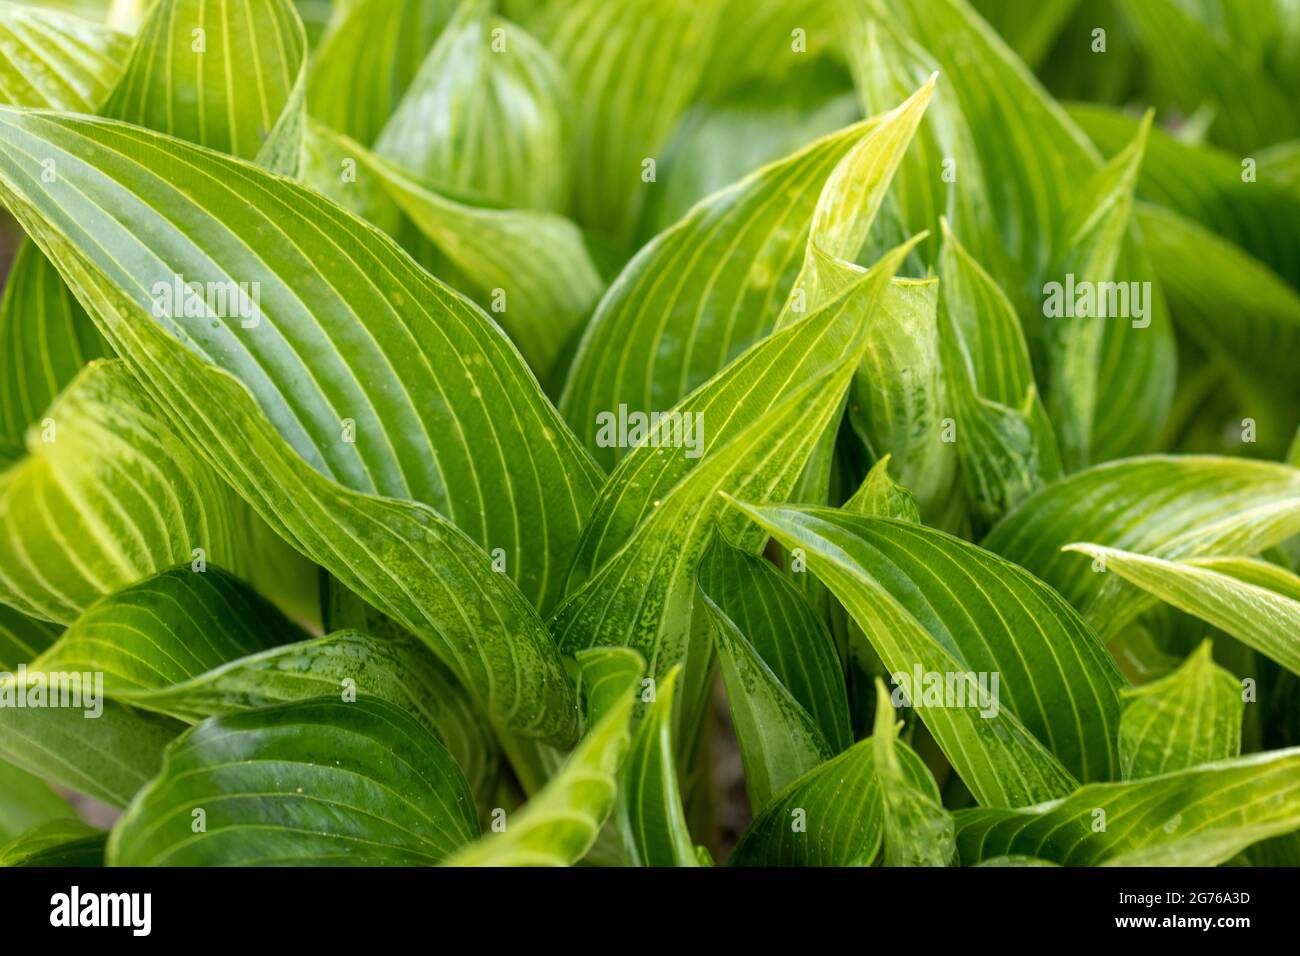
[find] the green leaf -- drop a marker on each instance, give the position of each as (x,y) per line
(831,816)
(364,509)
(757,39)
(61,843)
(1029,31)
(365,63)
(1090,242)
(319,781)
(886,65)
(57,61)
(934,605)
(720,277)
(632,579)
(48,339)
(26,801)
(880,496)
(779,740)
(229,77)
(700,293)
(726,137)
(918,831)
(642,596)
(108,494)
(741,397)
(1137,363)
(397,670)
(167,629)
(1257,603)
(384,659)
(612,56)
(530,268)
(177,81)
(1031,159)
(1225,299)
(486,116)
(1007,446)
(109,757)
(1215,188)
(1008,179)
(561,822)
(847,206)
(1197,63)
(1163,506)
(650,813)
(1196,817)
(775,622)
(1190,717)
(898,403)
(23,637)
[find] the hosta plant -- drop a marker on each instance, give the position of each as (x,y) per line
(450,433)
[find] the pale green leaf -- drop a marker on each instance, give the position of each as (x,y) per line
(882,497)
(1256,603)
(898,403)
(366,61)
(57,61)
(1197,817)
(739,398)
(109,493)
(918,831)
(486,116)
(651,818)
(1163,506)
(700,293)
(561,822)
(1190,717)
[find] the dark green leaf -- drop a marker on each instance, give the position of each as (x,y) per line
(319,781)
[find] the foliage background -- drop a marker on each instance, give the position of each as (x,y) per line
(826,228)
